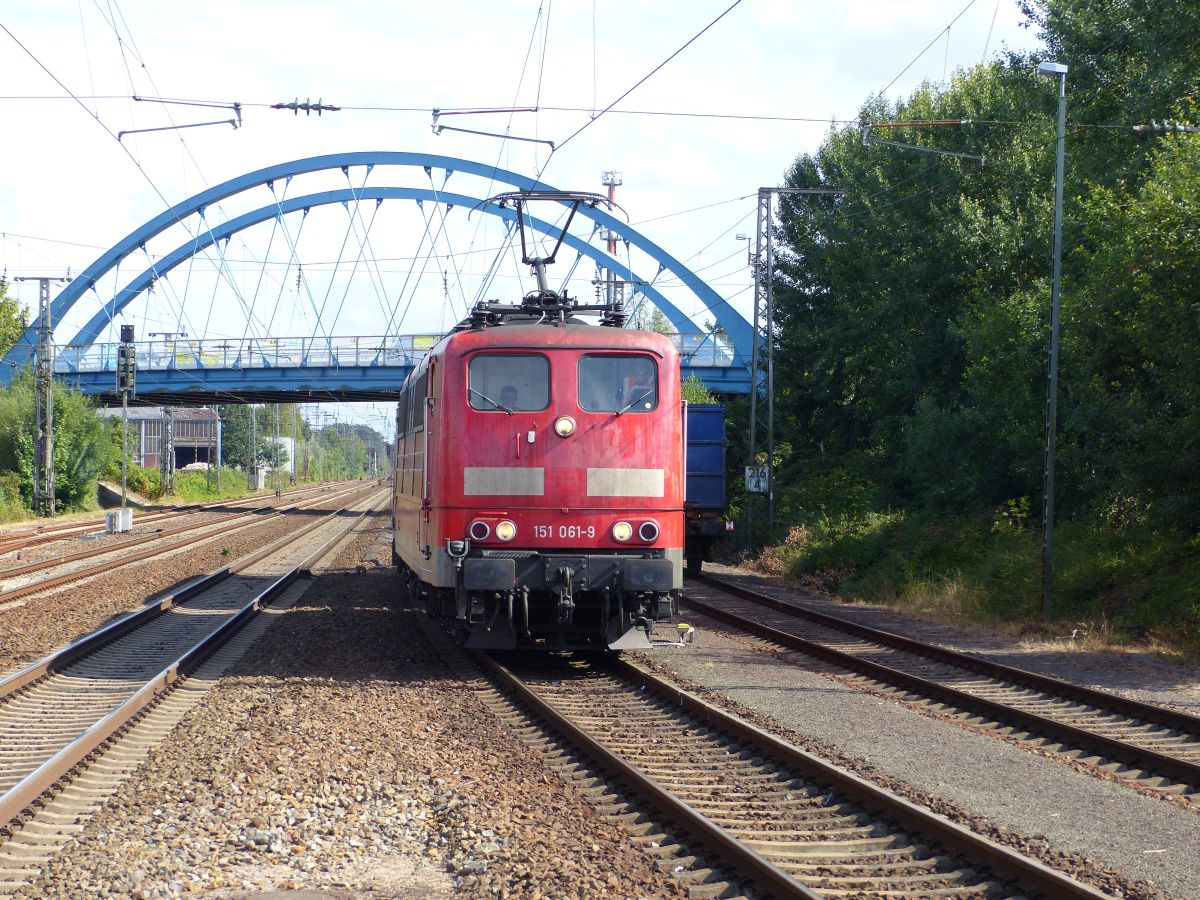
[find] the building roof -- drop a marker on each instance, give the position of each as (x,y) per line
(154,413)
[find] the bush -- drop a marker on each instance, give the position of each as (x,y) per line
(144,481)
(202,485)
(692,390)
(84,444)
(12,507)
(1139,583)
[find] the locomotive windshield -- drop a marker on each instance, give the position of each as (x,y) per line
(618,384)
(508,381)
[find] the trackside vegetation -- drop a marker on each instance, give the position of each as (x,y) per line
(87,447)
(914,311)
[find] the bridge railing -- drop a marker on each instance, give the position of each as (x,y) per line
(253,353)
(705,350)
(318,352)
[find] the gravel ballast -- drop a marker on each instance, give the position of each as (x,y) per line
(1142,836)
(341,756)
(45,621)
(1137,672)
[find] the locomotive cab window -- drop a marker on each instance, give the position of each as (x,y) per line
(618,384)
(507,382)
(417,392)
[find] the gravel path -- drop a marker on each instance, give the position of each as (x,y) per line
(43,622)
(341,756)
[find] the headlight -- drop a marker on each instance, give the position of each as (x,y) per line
(648,531)
(622,531)
(506,530)
(564,426)
(480,531)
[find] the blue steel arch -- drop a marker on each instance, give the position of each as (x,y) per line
(95,327)
(735,326)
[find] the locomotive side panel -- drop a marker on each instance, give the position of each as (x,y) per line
(410,535)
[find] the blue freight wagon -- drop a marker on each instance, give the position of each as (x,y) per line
(704,489)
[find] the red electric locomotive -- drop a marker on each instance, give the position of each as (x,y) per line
(539,478)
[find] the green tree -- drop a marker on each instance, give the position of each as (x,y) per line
(13,319)
(888,296)
(1132,339)
(693,391)
(85,445)
(914,310)
(1129,62)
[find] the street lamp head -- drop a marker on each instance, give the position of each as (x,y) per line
(741,237)
(1051,68)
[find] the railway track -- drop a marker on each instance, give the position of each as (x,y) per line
(58,714)
(1151,747)
(116,555)
(735,810)
(12,541)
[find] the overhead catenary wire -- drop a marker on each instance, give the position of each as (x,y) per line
(654,113)
(651,73)
(639,83)
(925,50)
(614,111)
(95,117)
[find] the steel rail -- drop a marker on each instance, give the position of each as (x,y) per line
(1149,712)
(1003,861)
(975,849)
(264,511)
(127,559)
(1145,759)
(762,872)
(63,657)
(18,540)
(42,779)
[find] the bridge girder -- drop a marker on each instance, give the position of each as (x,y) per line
(95,327)
(737,328)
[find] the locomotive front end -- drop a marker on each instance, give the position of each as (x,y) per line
(563,520)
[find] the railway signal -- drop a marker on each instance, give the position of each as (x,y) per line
(126,370)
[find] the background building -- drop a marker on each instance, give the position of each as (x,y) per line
(197,435)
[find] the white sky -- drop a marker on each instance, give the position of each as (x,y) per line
(69,190)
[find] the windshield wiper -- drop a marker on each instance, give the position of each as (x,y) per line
(488,399)
(628,406)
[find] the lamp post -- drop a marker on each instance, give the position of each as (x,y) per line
(1059,71)
(749,252)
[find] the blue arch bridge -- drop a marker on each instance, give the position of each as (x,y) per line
(180,371)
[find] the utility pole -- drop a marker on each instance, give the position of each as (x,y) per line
(166,463)
(126,378)
(762,359)
(278,449)
(295,445)
(217,435)
(1059,71)
(254,445)
(211,452)
(43,454)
